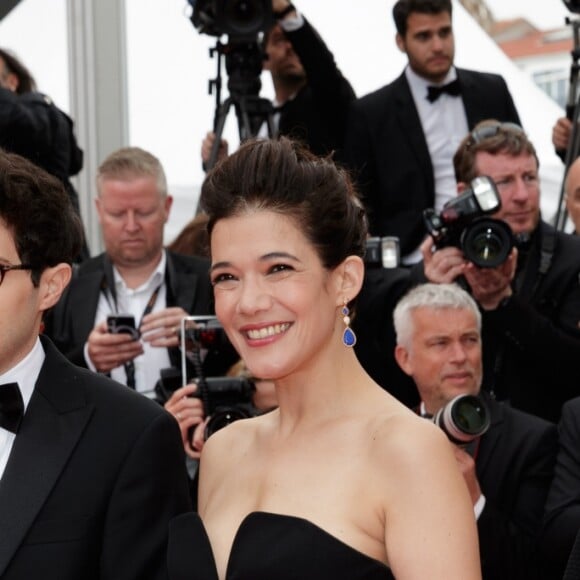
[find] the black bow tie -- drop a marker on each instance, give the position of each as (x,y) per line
(434,92)
(11,407)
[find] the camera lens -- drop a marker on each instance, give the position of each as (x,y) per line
(244,16)
(487,242)
(463,419)
(224,416)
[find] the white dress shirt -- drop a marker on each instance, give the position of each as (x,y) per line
(133,302)
(444,125)
(25,373)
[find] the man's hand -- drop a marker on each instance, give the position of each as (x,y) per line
(466,465)
(207,144)
(561,133)
(161,328)
(442,266)
(489,286)
(188,411)
(108,351)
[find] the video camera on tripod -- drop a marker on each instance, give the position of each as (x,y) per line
(242,21)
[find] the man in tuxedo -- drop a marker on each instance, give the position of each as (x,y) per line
(400,139)
(90,472)
(508,468)
(311,94)
(530,303)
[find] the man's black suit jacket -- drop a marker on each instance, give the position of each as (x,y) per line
(386,148)
(531,344)
(73,318)
(317,115)
(95,474)
(562,520)
(514,466)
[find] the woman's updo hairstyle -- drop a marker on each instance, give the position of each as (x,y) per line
(280,175)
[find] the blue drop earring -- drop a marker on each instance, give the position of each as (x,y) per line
(348,336)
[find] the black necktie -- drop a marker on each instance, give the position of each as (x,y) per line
(11,407)
(434,92)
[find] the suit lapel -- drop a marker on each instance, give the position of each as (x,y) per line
(491,439)
(83,302)
(471,97)
(181,286)
(54,421)
(411,124)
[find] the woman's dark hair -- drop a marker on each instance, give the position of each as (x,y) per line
(26,82)
(35,207)
(284,177)
(404,8)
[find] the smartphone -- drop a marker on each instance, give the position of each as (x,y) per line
(123,324)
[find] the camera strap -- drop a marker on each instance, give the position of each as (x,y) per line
(108,290)
(547,249)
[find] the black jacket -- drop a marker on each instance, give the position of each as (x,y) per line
(531,345)
(317,115)
(386,148)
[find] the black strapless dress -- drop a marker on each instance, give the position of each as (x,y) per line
(269,547)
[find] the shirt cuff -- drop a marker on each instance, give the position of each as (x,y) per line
(88,360)
(478,507)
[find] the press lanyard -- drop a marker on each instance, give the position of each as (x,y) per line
(129,365)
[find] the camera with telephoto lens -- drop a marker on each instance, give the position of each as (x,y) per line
(485,241)
(463,419)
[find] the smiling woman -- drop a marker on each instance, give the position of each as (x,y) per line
(287,236)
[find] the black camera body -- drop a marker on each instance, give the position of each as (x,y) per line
(485,241)
(239,19)
(463,419)
(230,399)
(382,252)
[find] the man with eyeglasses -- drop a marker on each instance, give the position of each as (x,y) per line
(531,302)
(400,139)
(90,472)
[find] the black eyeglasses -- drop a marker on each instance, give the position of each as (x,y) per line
(487,131)
(6,268)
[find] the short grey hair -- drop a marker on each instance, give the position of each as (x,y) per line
(132,162)
(435,297)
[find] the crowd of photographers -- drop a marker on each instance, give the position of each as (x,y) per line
(470,309)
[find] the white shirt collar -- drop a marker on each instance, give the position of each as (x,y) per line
(26,372)
(419,84)
(152,282)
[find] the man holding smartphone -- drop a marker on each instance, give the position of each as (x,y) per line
(134,283)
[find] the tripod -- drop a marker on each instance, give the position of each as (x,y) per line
(573,113)
(244,67)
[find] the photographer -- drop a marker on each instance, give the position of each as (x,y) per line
(135,275)
(531,302)
(508,468)
(310,92)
